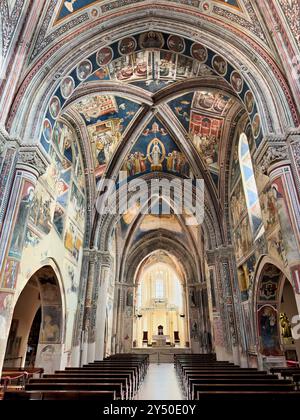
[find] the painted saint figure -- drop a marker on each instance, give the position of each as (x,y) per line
(19,231)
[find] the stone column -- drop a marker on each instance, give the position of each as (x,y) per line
(103,282)
(230,303)
(79,331)
(30,165)
(8,160)
(277,158)
(88,347)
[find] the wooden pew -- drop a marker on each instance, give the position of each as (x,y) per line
(238,385)
(241,388)
(41,387)
(95,376)
(60,395)
(211,397)
(132,372)
(84,380)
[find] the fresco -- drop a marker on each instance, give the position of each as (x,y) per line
(41,213)
(73,240)
(269,209)
(242,239)
(70,7)
(51,326)
(6,301)
(269,331)
(152,60)
(182,108)
(246,276)
(206,135)
(238,204)
(106,117)
(76,210)
(213,100)
(269,283)
(289,240)
(31,238)
(25,207)
(155,150)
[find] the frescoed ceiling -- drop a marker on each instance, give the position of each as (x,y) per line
(146,66)
(70,16)
(106,118)
(203,116)
(70,7)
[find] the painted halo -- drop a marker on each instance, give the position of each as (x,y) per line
(127,45)
(104,56)
(176,43)
(199,52)
(67,86)
(84,70)
(256,126)
(237,81)
(219,65)
(249,101)
(47,130)
(54,107)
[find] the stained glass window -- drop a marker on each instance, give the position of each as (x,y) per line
(250,188)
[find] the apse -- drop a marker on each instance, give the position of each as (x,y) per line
(160,310)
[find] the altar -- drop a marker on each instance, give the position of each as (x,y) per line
(160,340)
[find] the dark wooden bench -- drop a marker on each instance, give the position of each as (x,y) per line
(118,371)
(60,395)
(41,387)
(84,380)
(237,384)
(95,376)
(246,396)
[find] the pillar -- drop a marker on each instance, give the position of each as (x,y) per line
(103,281)
(87,345)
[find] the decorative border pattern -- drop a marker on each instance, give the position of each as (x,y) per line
(9,22)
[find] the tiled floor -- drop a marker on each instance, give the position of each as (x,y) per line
(160,383)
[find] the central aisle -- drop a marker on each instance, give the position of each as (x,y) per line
(160,383)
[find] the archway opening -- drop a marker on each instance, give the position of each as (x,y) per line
(288,309)
(160,316)
(276,307)
(28,304)
(35,337)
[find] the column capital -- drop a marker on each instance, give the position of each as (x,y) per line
(7,141)
(225,251)
(32,157)
(94,255)
(272,152)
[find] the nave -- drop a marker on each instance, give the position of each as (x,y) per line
(130,377)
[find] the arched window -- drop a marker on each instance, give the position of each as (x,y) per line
(250,188)
(159,286)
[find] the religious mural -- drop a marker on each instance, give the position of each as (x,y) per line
(50,332)
(269,330)
(69,7)
(155,150)
(10,269)
(152,60)
(246,276)
(41,213)
(107,117)
(269,283)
